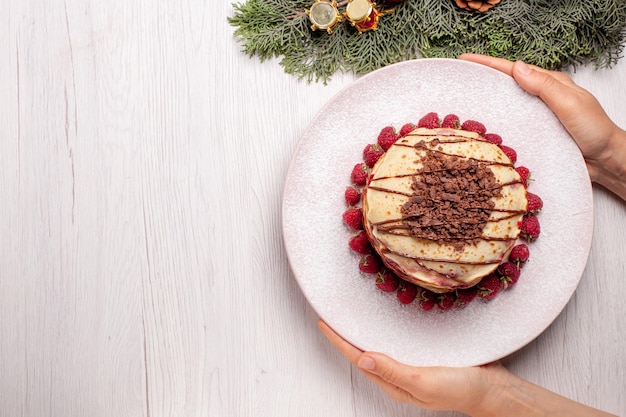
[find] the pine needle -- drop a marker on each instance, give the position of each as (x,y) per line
(552,34)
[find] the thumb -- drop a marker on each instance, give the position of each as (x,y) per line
(545,85)
(388,369)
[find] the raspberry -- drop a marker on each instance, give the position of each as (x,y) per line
(524,174)
(353,218)
(359,174)
(426,299)
(446,301)
(370,264)
(465,296)
(406,129)
(510,152)
(387,281)
(352,195)
(535,203)
(387,137)
(509,273)
(489,286)
(451,121)
(430,121)
(406,292)
(372,153)
(519,254)
(530,228)
(474,126)
(493,138)
(360,243)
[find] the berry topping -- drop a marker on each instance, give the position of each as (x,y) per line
(360,243)
(489,286)
(451,121)
(446,301)
(474,126)
(530,228)
(372,153)
(406,292)
(359,174)
(535,203)
(430,121)
(387,281)
(370,264)
(493,138)
(426,299)
(510,152)
(519,254)
(352,195)
(353,217)
(509,274)
(406,129)
(465,296)
(387,137)
(524,174)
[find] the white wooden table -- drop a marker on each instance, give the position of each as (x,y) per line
(142,268)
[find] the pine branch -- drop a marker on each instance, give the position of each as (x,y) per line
(553,34)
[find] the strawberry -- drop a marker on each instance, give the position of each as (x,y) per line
(489,286)
(359,174)
(387,281)
(524,174)
(372,153)
(451,121)
(352,195)
(535,203)
(360,243)
(519,254)
(430,121)
(406,129)
(426,299)
(474,126)
(510,152)
(465,296)
(493,138)
(509,273)
(387,137)
(370,264)
(406,292)
(353,218)
(530,228)
(446,301)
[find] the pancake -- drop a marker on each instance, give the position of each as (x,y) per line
(443,208)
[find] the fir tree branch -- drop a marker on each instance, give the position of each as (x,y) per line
(553,34)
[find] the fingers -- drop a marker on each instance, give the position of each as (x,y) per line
(506,66)
(556,89)
(353,355)
(502,65)
(389,370)
(349,351)
(552,89)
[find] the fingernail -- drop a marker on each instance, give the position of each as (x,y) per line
(523,68)
(366,363)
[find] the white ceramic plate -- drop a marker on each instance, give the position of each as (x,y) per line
(317,240)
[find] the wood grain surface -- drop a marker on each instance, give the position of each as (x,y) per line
(142,267)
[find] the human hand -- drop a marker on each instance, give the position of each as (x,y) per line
(597,136)
(434,388)
(488,390)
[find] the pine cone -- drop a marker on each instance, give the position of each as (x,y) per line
(478,5)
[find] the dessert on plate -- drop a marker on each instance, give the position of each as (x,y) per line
(443,208)
(440,212)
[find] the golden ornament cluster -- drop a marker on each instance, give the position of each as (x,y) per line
(362,14)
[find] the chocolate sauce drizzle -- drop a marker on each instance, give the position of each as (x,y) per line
(451,198)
